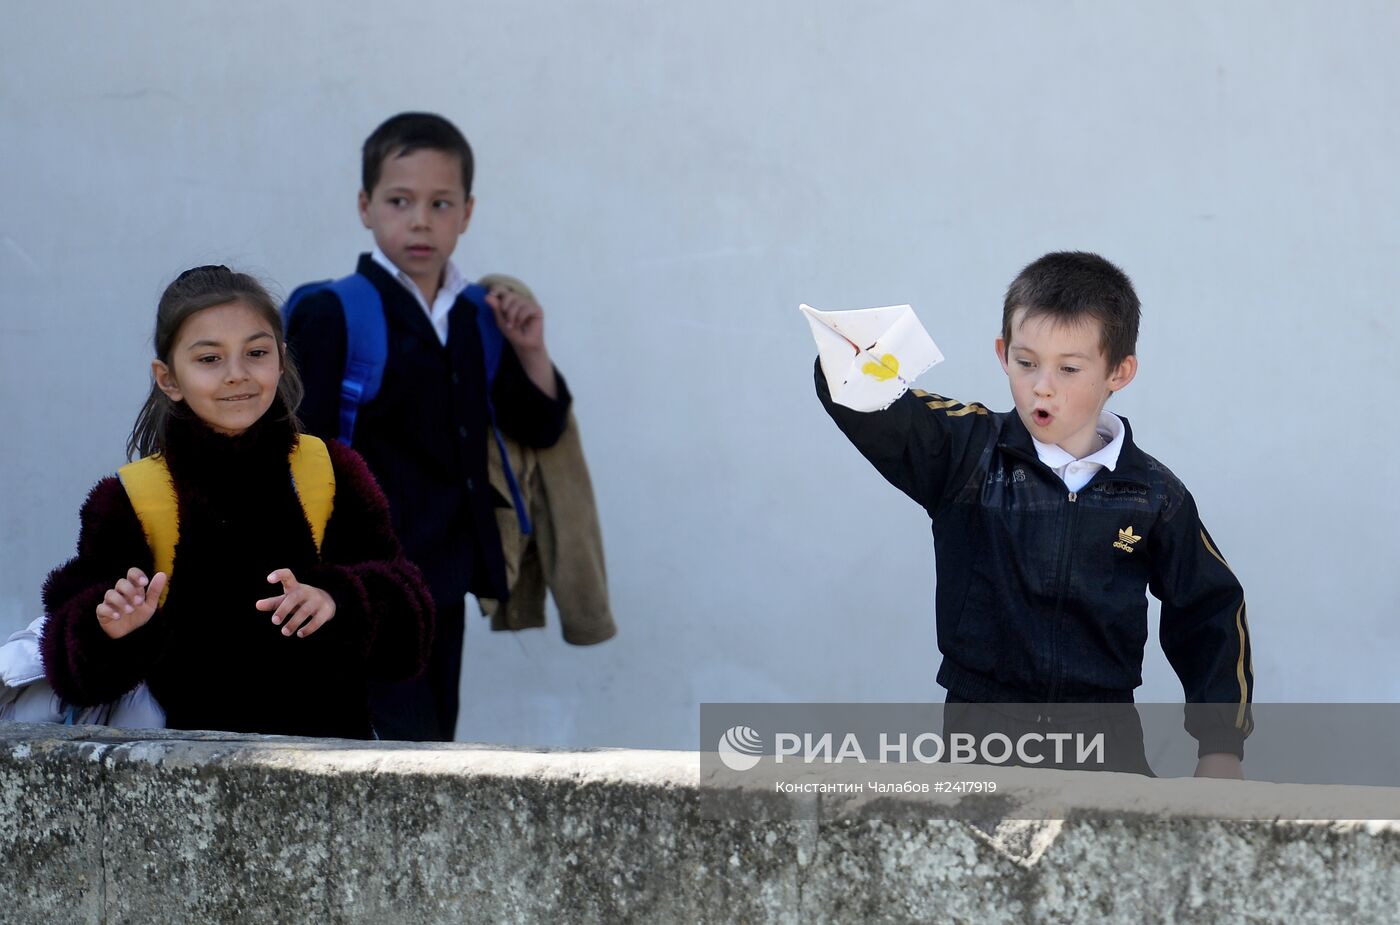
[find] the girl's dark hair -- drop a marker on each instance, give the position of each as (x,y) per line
(192,291)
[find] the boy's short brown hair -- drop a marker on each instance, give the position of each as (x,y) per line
(412,131)
(1074,286)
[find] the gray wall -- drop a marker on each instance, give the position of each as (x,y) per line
(164,828)
(673,180)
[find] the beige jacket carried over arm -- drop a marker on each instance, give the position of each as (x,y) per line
(564,554)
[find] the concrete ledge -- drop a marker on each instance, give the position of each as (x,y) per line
(102,826)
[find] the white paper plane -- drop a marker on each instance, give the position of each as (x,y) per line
(871,356)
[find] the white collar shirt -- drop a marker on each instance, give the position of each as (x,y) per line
(1076,473)
(453,282)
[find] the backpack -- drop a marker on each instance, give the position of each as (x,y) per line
(26,697)
(367,352)
(152,493)
(25,694)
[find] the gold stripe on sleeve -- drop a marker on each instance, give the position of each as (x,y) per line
(973,408)
(1241,625)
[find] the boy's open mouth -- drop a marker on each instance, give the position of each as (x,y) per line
(1041,416)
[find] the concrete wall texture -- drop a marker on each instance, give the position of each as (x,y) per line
(673,181)
(100,827)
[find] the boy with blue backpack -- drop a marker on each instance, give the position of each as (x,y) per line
(417,367)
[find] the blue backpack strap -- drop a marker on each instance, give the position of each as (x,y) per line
(366,342)
(493,344)
(300,293)
(366,347)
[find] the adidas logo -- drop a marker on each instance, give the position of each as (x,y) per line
(1126,539)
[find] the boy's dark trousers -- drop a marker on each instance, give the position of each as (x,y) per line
(1118,723)
(425,708)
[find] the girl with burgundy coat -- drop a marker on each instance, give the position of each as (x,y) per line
(258,631)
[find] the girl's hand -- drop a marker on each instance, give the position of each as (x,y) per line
(130,603)
(300,609)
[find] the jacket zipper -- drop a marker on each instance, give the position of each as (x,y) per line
(1066,559)
(1066,563)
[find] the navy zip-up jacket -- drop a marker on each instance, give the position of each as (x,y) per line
(1040,595)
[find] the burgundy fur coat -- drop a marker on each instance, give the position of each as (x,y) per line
(210,658)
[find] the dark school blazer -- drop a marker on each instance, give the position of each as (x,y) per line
(425,436)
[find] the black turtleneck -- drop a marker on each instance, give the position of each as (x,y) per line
(211,658)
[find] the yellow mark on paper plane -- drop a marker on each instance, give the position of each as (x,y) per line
(887,368)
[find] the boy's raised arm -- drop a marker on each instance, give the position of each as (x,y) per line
(917,443)
(523,410)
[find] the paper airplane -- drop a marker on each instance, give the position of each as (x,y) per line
(870,356)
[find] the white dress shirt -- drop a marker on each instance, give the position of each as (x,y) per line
(453,282)
(1076,473)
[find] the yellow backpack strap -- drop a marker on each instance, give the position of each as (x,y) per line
(313,476)
(152,493)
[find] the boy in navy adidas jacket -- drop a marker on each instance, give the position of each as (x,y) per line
(1049,523)
(426,434)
